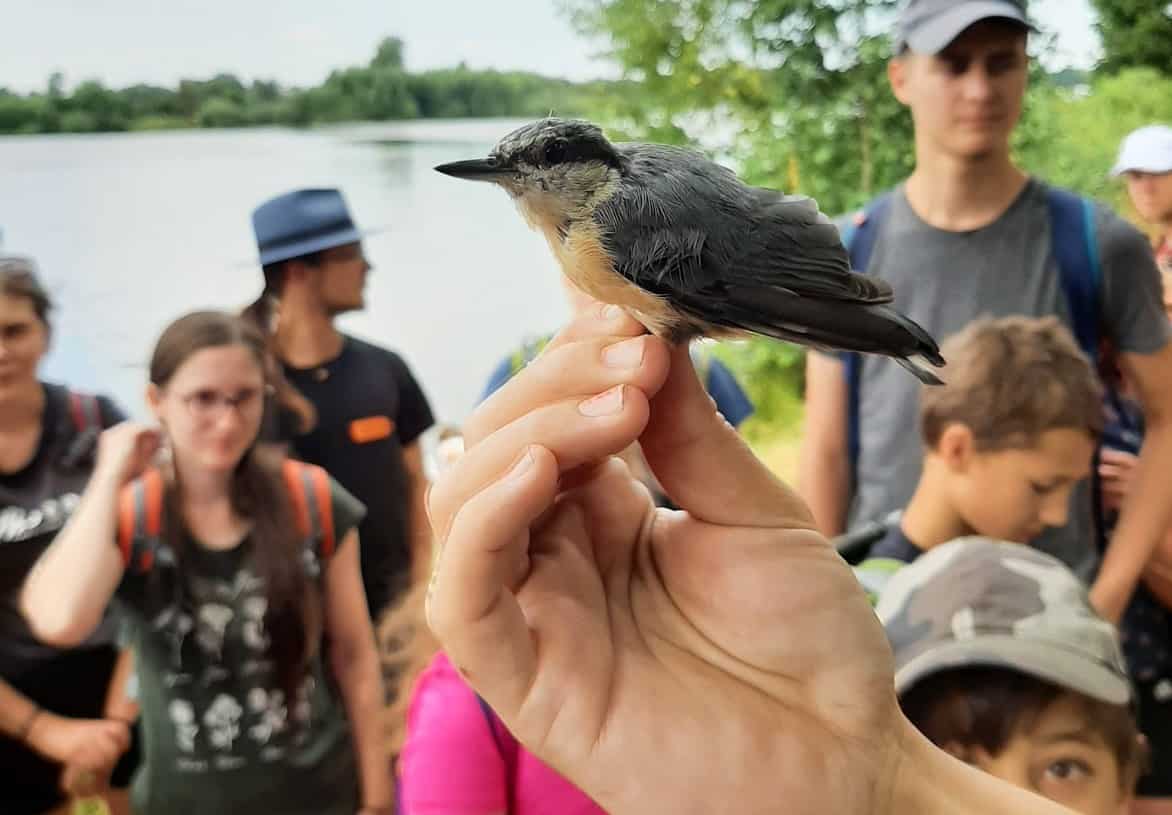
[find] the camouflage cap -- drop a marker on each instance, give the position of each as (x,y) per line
(976,601)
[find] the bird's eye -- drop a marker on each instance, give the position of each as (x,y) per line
(555,152)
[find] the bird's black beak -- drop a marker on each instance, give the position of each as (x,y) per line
(477,169)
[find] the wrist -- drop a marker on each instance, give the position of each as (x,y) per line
(22,730)
(1109,598)
(39,730)
(106,477)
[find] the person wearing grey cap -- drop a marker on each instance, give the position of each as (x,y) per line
(971,234)
(1001,660)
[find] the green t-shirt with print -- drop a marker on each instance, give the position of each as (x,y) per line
(218,733)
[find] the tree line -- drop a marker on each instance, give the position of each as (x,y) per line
(380,90)
(794,95)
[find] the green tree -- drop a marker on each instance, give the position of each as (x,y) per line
(221,112)
(1135,34)
(792,93)
(390,95)
(150,100)
(380,90)
(1071,138)
(21,114)
(798,85)
(56,87)
(389,54)
(93,106)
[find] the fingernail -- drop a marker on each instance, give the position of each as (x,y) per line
(522,466)
(625,354)
(606,403)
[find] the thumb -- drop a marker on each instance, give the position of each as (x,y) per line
(705,466)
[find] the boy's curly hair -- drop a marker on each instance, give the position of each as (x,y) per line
(1011,379)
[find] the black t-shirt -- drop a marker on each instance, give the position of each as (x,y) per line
(369,407)
(35,503)
(895,545)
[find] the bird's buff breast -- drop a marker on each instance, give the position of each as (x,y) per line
(584,260)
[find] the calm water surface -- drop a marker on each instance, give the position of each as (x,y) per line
(132,230)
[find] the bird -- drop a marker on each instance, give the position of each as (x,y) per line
(690,250)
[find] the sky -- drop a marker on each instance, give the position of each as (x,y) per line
(298,42)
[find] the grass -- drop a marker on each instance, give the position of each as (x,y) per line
(775,434)
(778,448)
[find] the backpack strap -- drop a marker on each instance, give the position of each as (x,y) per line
(82,425)
(309,490)
(140,513)
(85,412)
(140,521)
(859,237)
(1075,248)
(854,545)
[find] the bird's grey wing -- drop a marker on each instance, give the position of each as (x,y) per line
(681,224)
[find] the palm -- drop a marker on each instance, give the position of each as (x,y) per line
(615,606)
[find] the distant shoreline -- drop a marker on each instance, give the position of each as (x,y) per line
(438,130)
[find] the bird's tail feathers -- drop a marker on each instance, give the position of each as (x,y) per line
(917,366)
(828,324)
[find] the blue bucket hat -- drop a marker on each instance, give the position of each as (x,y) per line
(301,222)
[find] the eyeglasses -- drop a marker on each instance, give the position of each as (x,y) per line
(207,404)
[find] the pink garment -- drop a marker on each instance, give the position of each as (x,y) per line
(451,765)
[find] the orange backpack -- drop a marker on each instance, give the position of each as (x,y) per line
(140,514)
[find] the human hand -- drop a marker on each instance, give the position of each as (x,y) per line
(655,656)
(82,745)
(126,450)
(1116,474)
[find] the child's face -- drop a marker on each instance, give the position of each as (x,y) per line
(1016,494)
(1062,757)
(1151,194)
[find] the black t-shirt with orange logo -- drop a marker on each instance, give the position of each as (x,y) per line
(369,407)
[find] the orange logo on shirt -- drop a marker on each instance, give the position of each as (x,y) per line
(371,428)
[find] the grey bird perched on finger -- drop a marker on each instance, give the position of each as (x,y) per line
(691,250)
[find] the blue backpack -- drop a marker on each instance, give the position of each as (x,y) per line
(1074,247)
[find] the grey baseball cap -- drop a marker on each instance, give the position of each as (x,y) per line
(928,26)
(980,602)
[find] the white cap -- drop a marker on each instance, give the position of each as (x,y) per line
(1147,150)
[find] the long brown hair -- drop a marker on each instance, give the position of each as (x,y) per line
(407,647)
(261,314)
(257,492)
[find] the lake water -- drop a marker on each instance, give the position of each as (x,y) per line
(132,230)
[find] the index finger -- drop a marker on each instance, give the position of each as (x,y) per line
(686,436)
(572,364)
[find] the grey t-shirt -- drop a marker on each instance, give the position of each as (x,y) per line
(944,280)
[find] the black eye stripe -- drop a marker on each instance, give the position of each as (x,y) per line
(562,152)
